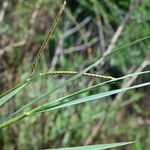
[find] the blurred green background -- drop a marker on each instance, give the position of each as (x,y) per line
(88,29)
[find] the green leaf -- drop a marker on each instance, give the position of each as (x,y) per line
(95,147)
(6,96)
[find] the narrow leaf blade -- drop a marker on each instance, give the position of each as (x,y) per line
(95,147)
(6,96)
(90,98)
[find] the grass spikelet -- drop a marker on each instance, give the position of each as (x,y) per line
(45,43)
(71,73)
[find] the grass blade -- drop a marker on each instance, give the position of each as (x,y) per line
(45,107)
(6,96)
(95,147)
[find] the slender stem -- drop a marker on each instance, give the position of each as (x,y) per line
(45,44)
(13,120)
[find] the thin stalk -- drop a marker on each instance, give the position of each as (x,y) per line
(45,44)
(13,120)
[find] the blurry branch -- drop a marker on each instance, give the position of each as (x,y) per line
(32,20)
(35,12)
(142,122)
(11,46)
(120,29)
(77,28)
(59,49)
(30,27)
(127,84)
(101,34)
(100,28)
(81,123)
(133,79)
(94,131)
(23,42)
(126,103)
(2,11)
(81,31)
(117,33)
(79,47)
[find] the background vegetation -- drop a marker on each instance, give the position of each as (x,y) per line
(88,30)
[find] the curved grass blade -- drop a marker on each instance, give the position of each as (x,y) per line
(6,96)
(96,147)
(46,107)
